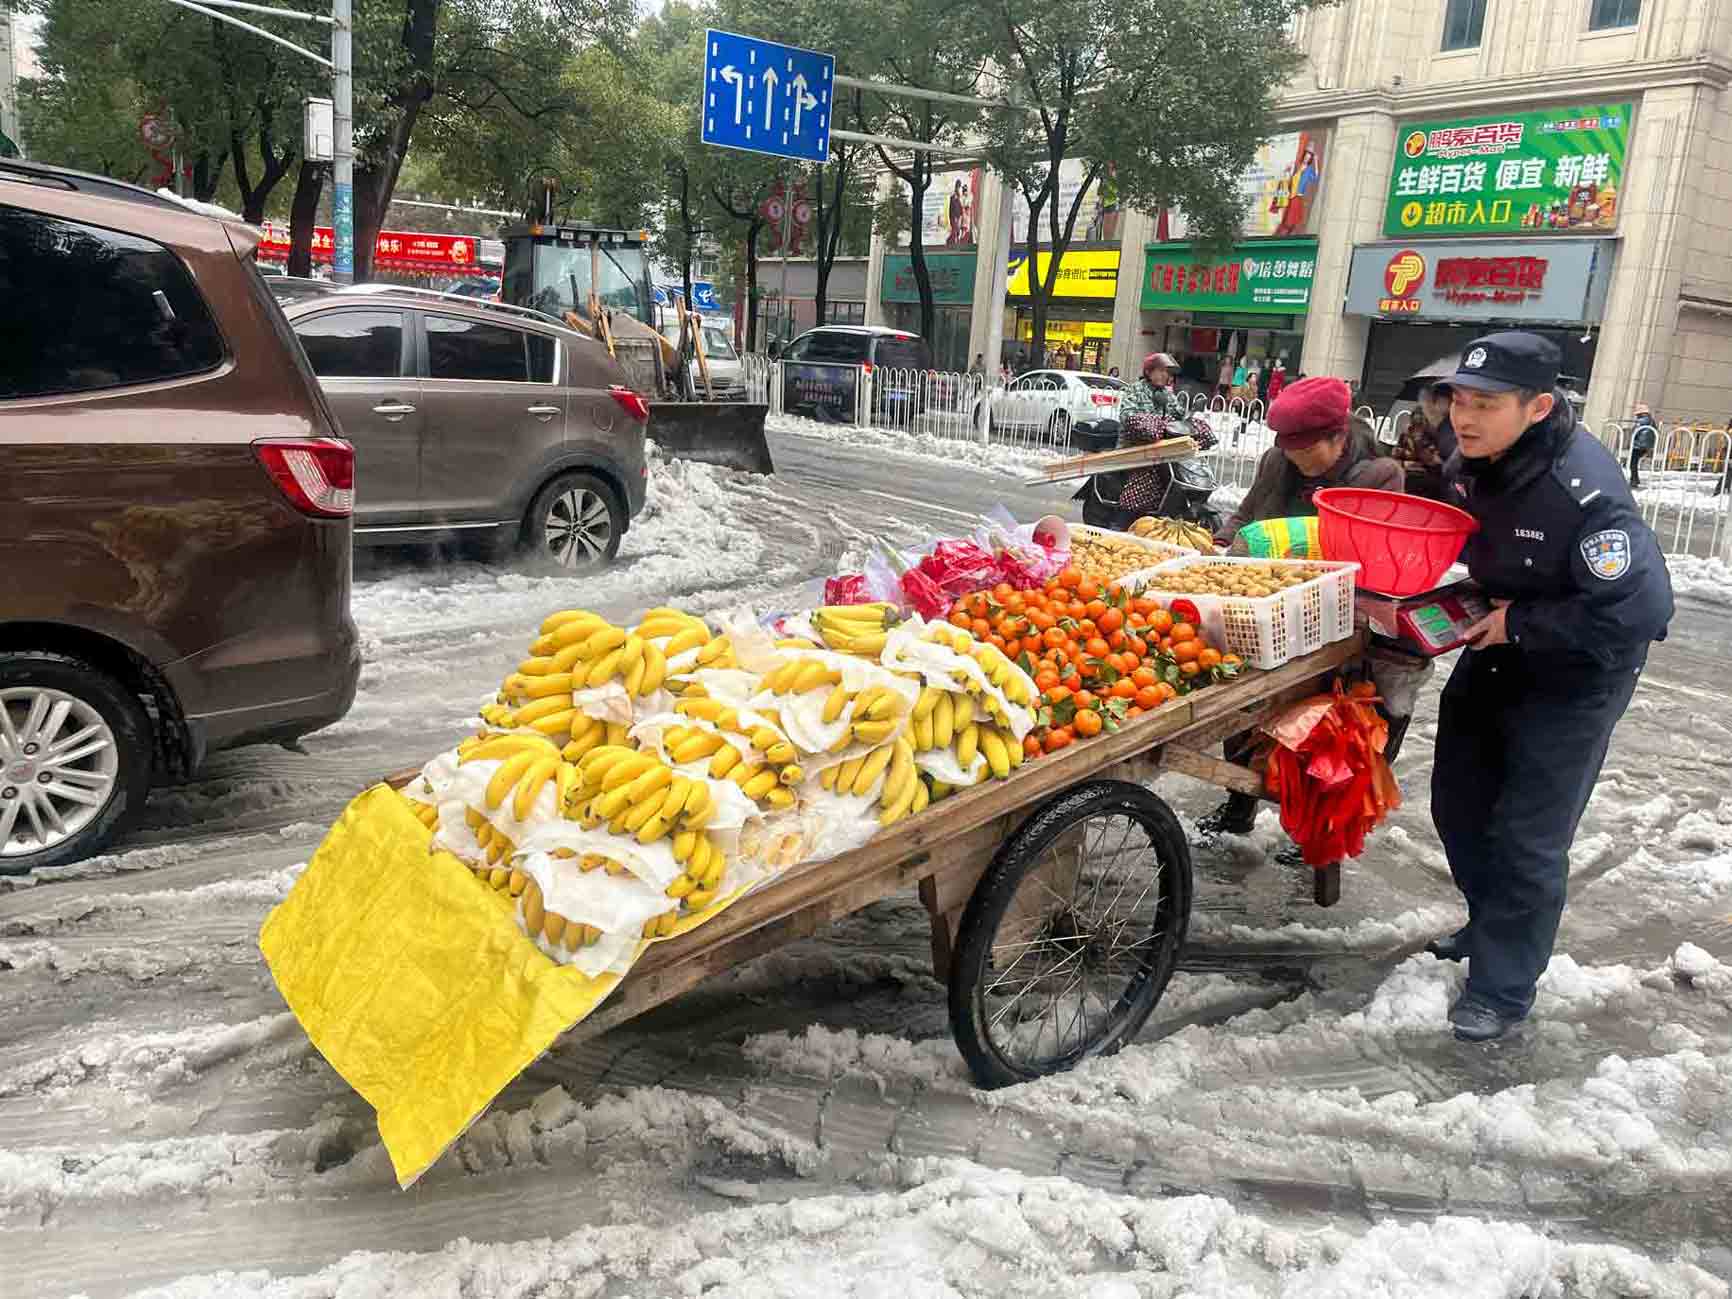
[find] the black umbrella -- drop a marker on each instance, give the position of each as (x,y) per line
(1441,368)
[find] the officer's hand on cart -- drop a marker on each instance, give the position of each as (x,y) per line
(1490,630)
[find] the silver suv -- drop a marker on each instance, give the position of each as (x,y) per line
(477,422)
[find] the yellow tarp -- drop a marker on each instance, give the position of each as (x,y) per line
(414,982)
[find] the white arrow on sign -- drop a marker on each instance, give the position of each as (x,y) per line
(802,100)
(732,74)
(770,80)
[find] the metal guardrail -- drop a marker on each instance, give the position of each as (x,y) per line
(1686,491)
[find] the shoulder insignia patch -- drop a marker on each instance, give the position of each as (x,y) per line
(1607,554)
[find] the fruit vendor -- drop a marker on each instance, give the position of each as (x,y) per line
(1579,591)
(1318,443)
(1145,411)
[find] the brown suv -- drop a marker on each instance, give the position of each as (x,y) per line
(477,422)
(174,509)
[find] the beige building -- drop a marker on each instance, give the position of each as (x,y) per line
(1563,165)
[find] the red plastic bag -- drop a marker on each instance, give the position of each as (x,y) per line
(1326,766)
(848,588)
(960,567)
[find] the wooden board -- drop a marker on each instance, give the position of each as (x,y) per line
(949,843)
(1107,462)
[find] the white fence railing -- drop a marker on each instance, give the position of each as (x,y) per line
(1686,485)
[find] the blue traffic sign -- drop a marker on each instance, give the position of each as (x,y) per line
(767,98)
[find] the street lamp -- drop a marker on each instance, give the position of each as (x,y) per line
(341,64)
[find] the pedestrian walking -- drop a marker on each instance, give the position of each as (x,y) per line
(1579,591)
(1277,380)
(1224,377)
(1647,437)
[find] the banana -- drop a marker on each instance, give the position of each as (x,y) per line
(940,790)
(530,714)
(796,643)
(943,720)
(923,733)
(548,687)
(765,737)
(696,747)
(598,762)
(604,668)
(509,773)
(618,733)
(627,770)
(843,740)
(718,648)
(553,927)
(780,754)
(689,639)
(900,775)
(655,670)
(921,797)
(634,678)
(792,774)
(498,878)
(869,646)
(827,777)
(776,680)
(760,784)
(698,862)
(474,819)
(929,697)
(503,746)
(566,659)
(544,645)
(895,811)
(654,828)
(700,899)
(812,675)
(1017,753)
(727,757)
(604,641)
(875,732)
(666,625)
(536,666)
(682,885)
(562,617)
(556,723)
(516,883)
(631,653)
(683,843)
(871,769)
(963,713)
(886,704)
(534,911)
(568,784)
(653,781)
(644,811)
(780,798)
(967,744)
(700,806)
(997,755)
(584,726)
(835,702)
(529,788)
(846,774)
(710,710)
(714,868)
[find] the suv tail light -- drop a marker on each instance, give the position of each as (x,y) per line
(866,368)
(631,403)
(316,474)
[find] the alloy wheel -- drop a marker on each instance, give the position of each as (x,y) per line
(59,763)
(578,527)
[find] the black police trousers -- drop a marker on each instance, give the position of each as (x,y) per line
(1517,758)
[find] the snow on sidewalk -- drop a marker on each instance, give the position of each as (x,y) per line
(994,457)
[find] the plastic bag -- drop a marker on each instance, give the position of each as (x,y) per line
(918,591)
(848,588)
(960,567)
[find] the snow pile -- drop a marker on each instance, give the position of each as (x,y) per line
(151,1062)
(993,457)
(973,1234)
(1708,580)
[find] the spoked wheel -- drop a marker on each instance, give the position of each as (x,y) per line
(574,522)
(1071,935)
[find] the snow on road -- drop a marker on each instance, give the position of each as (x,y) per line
(1295,1121)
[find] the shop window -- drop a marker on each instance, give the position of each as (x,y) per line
(1463,24)
(845,313)
(1607,14)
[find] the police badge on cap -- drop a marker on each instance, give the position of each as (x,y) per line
(1607,554)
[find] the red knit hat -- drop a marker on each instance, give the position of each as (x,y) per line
(1309,411)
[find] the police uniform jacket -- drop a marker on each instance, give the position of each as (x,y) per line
(1560,536)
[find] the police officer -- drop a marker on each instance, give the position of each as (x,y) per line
(1578,590)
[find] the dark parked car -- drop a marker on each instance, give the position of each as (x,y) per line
(810,369)
(174,509)
(474,421)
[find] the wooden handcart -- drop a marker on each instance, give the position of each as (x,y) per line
(1059,899)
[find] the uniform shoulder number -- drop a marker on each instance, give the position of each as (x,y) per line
(1607,554)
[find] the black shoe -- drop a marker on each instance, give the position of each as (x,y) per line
(1477,1022)
(1290,854)
(1452,947)
(1238,815)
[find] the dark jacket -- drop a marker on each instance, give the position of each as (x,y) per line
(1561,538)
(1647,435)
(1280,491)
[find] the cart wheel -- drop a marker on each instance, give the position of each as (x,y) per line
(1071,935)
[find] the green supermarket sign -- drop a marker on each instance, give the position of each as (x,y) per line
(1552,172)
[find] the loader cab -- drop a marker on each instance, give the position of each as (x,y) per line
(554,268)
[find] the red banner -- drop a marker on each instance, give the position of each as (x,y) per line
(408,250)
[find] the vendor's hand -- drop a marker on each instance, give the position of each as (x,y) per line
(1491,629)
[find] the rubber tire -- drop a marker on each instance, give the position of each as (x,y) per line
(125,716)
(971,959)
(534,542)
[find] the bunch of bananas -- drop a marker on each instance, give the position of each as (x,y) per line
(557,929)
(902,792)
(947,719)
(999,670)
(588,733)
(855,628)
(704,865)
(636,794)
(527,763)
(797,676)
(1176,531)
(661,926)
(426,813)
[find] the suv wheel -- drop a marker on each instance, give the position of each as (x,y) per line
(575,521)
(75,759)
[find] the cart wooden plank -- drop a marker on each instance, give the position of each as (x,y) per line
(1107,462)
(951,838)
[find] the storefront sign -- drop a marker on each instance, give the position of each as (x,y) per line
(1560,170)
(1272,275)
(1082,273)
(398,249)
(1530,280)
(950,274)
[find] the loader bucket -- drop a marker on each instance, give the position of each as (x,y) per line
(726,433)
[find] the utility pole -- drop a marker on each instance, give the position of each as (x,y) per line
(343,147)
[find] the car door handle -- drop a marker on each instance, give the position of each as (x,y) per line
(393,410)
(542,412)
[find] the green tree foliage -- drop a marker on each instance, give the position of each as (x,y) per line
(1176,96)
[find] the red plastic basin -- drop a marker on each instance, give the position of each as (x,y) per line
(1402,544)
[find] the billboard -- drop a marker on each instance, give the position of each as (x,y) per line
(1277,192)
(1099,204)
(1552,172)
(948,211)
(1267,277)
(1503,280)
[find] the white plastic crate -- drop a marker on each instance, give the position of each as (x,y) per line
(1267,631)
(1159,551)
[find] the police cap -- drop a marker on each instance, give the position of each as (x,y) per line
(1508,360)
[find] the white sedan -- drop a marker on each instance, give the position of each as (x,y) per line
(1055,401)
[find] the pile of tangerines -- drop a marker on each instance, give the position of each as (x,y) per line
(1098,654)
